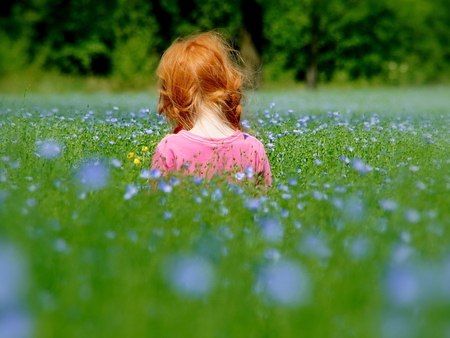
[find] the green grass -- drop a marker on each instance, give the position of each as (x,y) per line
(352,240)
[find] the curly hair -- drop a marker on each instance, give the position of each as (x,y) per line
(199,75)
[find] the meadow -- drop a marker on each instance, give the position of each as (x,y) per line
(352,239)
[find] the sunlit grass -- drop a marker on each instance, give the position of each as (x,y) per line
(351,240)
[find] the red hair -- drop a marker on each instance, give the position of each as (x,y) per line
(198,74)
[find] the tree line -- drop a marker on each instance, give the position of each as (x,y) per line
(394,41)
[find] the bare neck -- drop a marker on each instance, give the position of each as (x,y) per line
(212,127)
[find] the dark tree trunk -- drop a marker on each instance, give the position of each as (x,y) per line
(251,39)
(312,72)
(251,57)
(165,25)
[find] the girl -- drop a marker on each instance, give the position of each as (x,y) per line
(200,96)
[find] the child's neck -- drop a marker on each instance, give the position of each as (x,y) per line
(212,127)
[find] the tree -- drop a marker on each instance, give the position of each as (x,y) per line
(312,72)
(251,38)
(395,41)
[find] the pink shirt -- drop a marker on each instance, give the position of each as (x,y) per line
(240,154)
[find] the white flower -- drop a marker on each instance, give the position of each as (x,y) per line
(239,176)
(286,283)
(361,167)
(49,149)
(131,190)
(165,187)
(93,175)
(190,275)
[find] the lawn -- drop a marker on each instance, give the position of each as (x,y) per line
(352,239)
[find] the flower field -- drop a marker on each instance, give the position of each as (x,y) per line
(352,239)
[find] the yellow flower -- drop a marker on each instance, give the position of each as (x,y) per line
(130,156)
(154,144)
(137,161)
(145,149)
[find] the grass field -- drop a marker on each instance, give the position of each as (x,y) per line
(352,240)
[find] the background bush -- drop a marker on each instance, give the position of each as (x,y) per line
(399,42)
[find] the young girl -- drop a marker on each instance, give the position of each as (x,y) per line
(200,96)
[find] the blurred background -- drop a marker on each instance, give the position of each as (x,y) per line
(115,45)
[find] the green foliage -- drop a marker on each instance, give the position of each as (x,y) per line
(394,40)
(192,16)
(13,54)
(398,42)
(285,24)
(134,55)
(371,245)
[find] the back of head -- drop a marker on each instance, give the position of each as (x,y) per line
(197,76)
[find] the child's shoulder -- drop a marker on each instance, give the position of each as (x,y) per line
(170,138)
(167,141)
(251,139)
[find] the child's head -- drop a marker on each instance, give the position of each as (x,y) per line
(197,76)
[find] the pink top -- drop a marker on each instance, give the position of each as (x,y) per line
(240,154)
